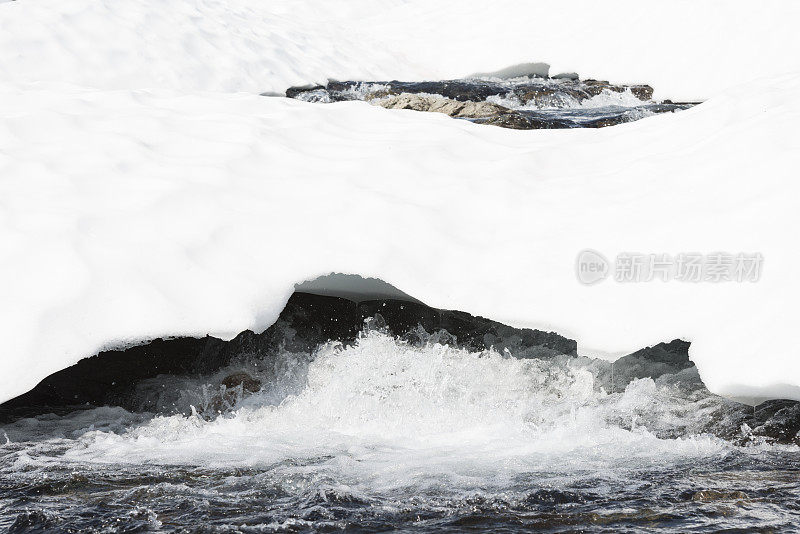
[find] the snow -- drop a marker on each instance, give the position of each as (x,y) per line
(147,190)
(691,50)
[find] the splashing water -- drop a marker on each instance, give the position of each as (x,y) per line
(389,434)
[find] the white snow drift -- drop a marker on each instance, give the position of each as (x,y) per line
(147,190)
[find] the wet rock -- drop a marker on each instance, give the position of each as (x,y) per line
(773,421)
(642,92)
(573,76)
(653,362)
(710,495)
(515,121)
(294,92)
(233,388)
(34,521)
(556,497)
(524,121)
(307,321)
(667,364)
(461,90)
(777,420)
(595,87)
(550,96)
(453,108)
(606,121)
(248,383)
(414,321)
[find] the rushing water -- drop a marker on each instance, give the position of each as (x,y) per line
(389,435)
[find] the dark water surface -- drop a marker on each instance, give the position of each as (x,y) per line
(302,496)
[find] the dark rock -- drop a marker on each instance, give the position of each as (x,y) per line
(778,420)
(462,90)
(665,363)
(773,421)
(248,383)
(107,377)
(595,87)
(233,388)
(642,92)
(553,95)
(307,321)
(653,362)
(524,121)
(34,521)
(567,76)
(294,92)
(606,121)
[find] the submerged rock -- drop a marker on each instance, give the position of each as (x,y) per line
(233,388)
(710,495)
(523,121)
(248,383)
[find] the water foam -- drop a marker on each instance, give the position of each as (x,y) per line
(606,99)
(432,409)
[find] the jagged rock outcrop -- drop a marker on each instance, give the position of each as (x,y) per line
(778,420)
(662,359)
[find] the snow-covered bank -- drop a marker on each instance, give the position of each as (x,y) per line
(687,50)
(128,213)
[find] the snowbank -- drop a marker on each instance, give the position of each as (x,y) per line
(686,49)
(139,198)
